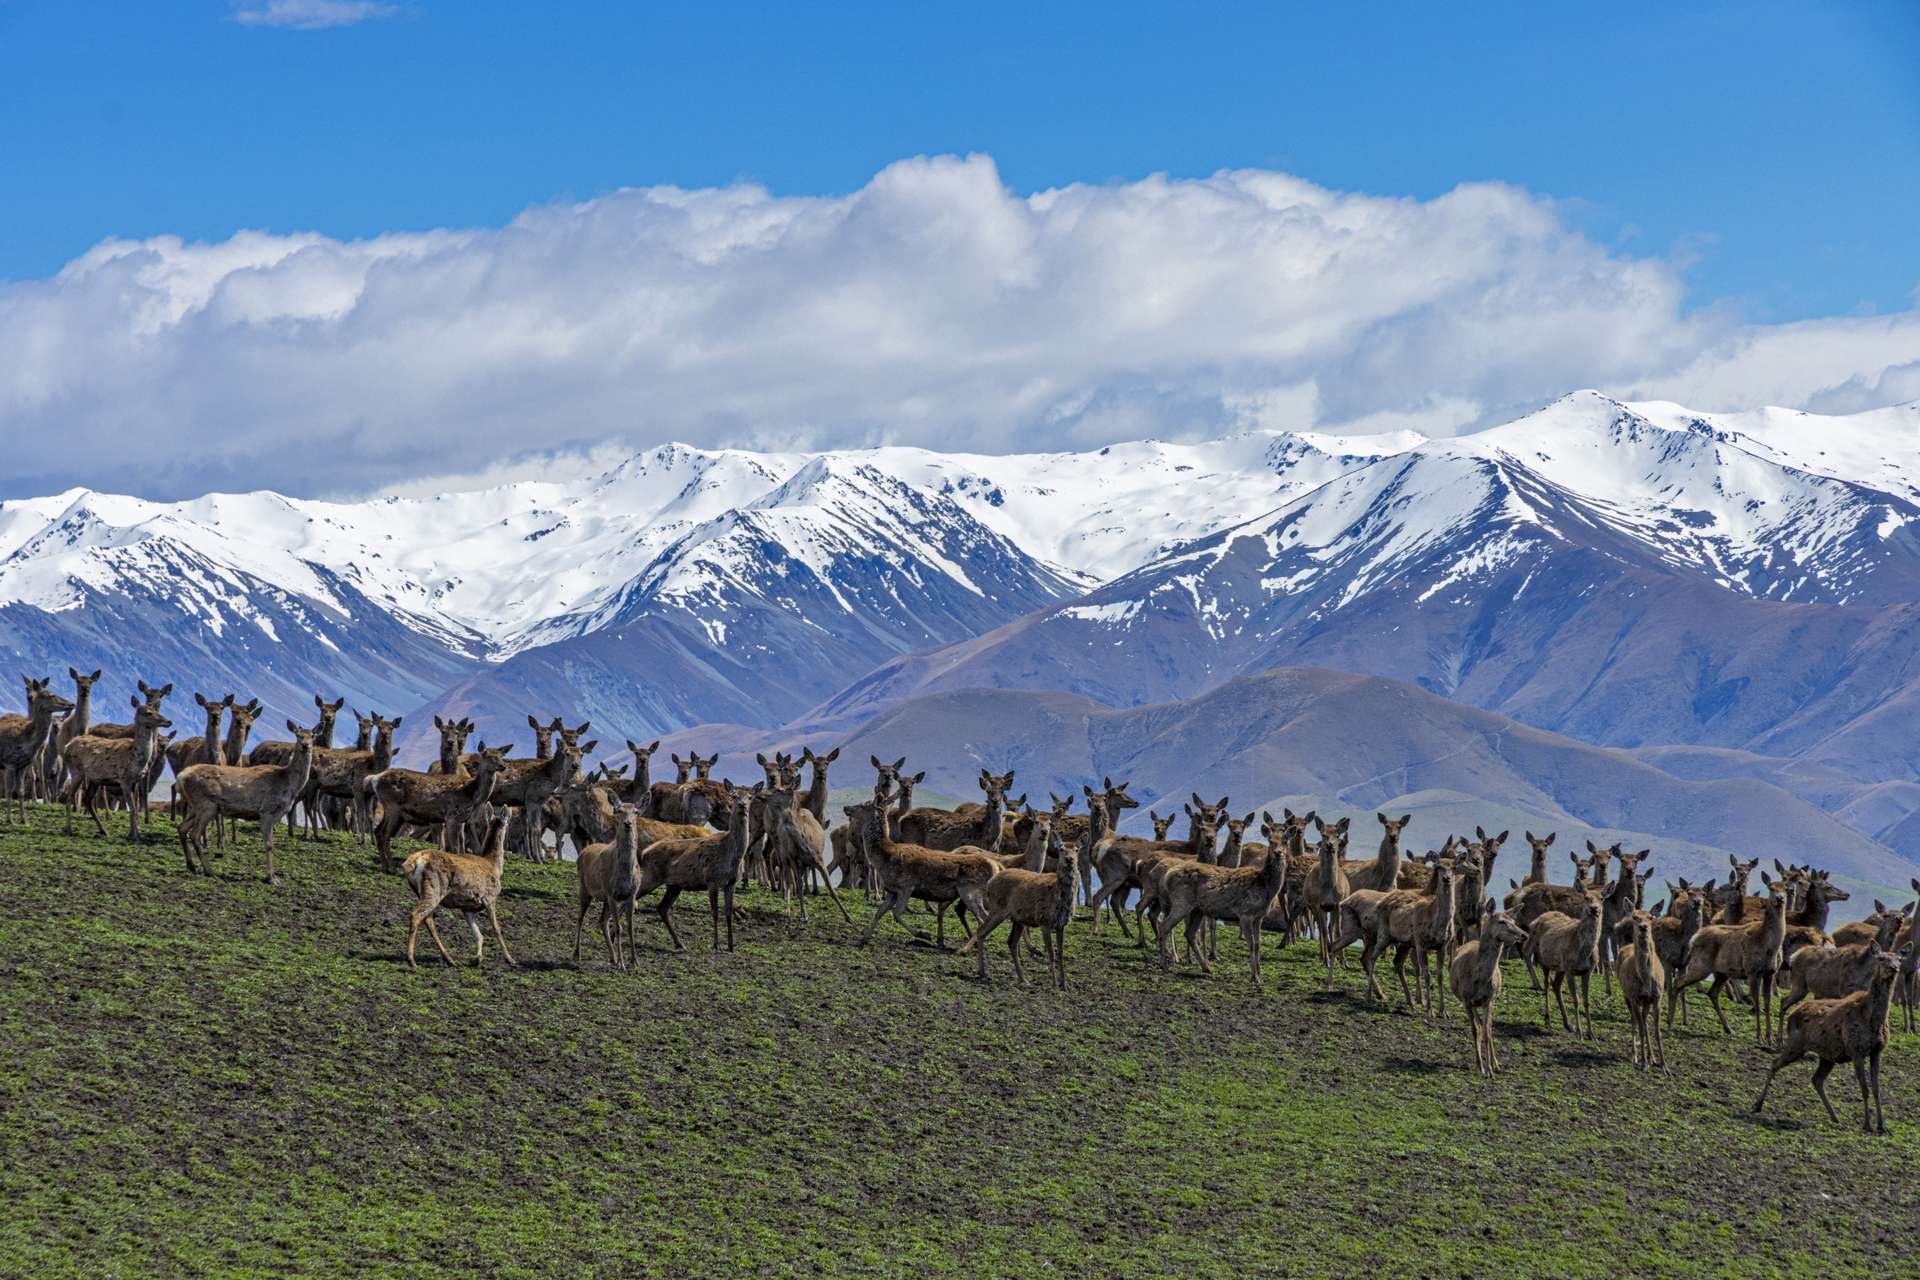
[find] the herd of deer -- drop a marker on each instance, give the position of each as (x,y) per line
(1000,861)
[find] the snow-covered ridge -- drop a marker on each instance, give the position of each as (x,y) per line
(497,570)
(1778,504)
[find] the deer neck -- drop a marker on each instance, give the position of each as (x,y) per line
(300,767)
(995,821)
(1199,841)
(479,788)
(1388,859)
(1815,912)
(1537,869)
(212,743)
(817,795)
(735,847)
(236,741)
(81,717)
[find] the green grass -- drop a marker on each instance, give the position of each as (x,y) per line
(209,1077)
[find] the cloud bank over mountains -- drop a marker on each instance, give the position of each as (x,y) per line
(933,306)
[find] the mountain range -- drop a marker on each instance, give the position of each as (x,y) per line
(1720,600)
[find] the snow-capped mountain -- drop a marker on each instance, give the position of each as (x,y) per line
(687,585)
(1624,577)
(719,581)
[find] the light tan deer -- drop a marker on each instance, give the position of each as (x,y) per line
(1749,952)
(1420,922)
(609,873)
(934,829)
(1829,973)
(905,871)
(710,862)
(468,883)
(1567,950)
(96,764)
(1537,861)
(446,800)
(1040,900)
(23,739)
(205,749)
(1124,862)
(340,775)
(1382,871)
(1643,987)
(1195,892)
(1850,1029)
(1474,974)
(264,793)
(798,846)
(1327,887)
(76,725)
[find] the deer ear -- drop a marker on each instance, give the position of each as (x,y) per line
(901,763)
(1223,803)
(1405,818)
(1590,848)
(1765,878)
(1777,867)
(586,748)
(831,756)
(1197,802)
(1733,862)
(919,777)
(1502,837)
(1248,820)
(1187,807)
(292,727)
(535,725)
(135,703)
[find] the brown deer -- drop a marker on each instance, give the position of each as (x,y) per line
(76,725)
(340,775)
(1567,949)
(1537,862)
(1124,862)
(1382,871)
(904,871)
(1151,866)
(1326,888)
(23,739)
(264,793)
(1672,935)
(1474,974)
(1195,892)
(446,800)
(1420,922)
(1161,825)
(1850,1029)
(796,843)
(815,800)
(709,862)
(1643,985)
(1040,900)
(151,695)
(1623,897)
(934,829)
(1807,924)
(468,883)
(638,790)
(1829,973)
(1864,931)
(96,765)
(205,749)
(1749,952)
(609,873)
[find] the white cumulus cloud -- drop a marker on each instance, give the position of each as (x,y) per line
(933,306)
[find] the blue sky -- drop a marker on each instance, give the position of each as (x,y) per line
(329,246)
(1774,147)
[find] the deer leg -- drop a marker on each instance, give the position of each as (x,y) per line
(435,931)
(1399,970)
(266,837)
(1820,1074)
(1195,926)
(93,796)
(1879,1106)
(1784,1058)
(1866,1098)
(1713,998)
(1250,934)
(1014,939)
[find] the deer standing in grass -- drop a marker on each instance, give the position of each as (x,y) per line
(446,800)
(1420,922)
(265,793)
(905,871)
(1327,887)
(1040,900)
(1196,892)
(711,863)
(1749,952)
(468,883)
(1851,1029)
(1567,949)
(1829,973)
(1643,986)
(24,738)
(96,764)
(609,873)
(76,725)
(205,749)
(1474,974)
(797,845)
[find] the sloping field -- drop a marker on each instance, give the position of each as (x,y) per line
(208,1077)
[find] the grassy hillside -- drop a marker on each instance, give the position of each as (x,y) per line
(208,1077)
